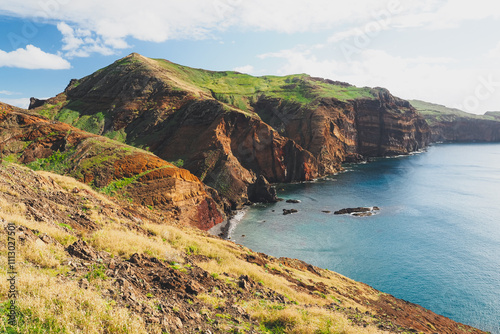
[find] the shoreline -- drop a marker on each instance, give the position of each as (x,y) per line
(225,228)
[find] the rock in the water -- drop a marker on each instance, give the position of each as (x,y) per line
(262,191)
(289,211)
(359,211)
(293,201)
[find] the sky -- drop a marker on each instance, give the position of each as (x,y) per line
(440,51)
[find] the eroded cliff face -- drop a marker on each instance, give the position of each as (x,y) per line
(389,126)
(455,125)
(228,128)
(137,175)
(465,130)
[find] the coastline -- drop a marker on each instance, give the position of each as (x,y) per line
(225,228)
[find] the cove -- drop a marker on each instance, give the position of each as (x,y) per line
(435,241)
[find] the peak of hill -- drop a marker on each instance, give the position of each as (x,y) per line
(229,128)
(455,125)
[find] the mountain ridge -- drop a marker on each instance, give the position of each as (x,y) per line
(230,128)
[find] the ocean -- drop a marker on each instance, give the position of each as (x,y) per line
(434,242)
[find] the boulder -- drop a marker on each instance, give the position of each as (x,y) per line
(289,211)
(261,191)
(359,211)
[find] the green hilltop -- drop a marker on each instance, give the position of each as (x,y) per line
(238,89)
(438,113)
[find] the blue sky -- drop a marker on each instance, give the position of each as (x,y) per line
(447,52)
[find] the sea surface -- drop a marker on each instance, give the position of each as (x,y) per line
(435,242)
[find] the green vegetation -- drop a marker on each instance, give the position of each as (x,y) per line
(240,90)
(66,226)
(58,162)
(11,158)
(178,163)
(438,113)
(71,114)
(120,135)
(97,271)
(114,186)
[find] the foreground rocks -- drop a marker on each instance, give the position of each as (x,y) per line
(195,283)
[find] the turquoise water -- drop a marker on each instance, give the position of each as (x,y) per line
(435,242)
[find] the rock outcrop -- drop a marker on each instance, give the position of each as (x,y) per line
(261,191)
(359,211)
(113,167)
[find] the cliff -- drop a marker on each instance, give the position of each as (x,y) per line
(229,128)
(133,174)
(454,125)
(87,263)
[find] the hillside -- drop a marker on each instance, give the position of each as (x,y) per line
(135,175)
(229,128)
(130,269)
(454,125)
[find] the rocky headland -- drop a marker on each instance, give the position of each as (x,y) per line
(228,128)
(454,125)
(129,165)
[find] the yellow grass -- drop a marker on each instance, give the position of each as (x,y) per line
(11,209)
(53,305)
(69,183)
(312,320)
(120,241)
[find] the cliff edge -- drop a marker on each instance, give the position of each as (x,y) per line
(229,128)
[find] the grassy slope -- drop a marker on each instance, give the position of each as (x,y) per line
(238,92)
(59,293)
(436,113)
(239,89)
(52,300)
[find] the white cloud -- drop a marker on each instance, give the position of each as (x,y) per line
(494,53)
(6,92)
(248,69)
(102,26)
(82,42)
(434,79)
(21,102)
(32,57)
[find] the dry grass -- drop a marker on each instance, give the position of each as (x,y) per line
(228,257)
(52,305)
(8,190)
(294,319)
(69,183)
(43,255)
(212,300)
(57,305)
(120,241)
(11,209)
